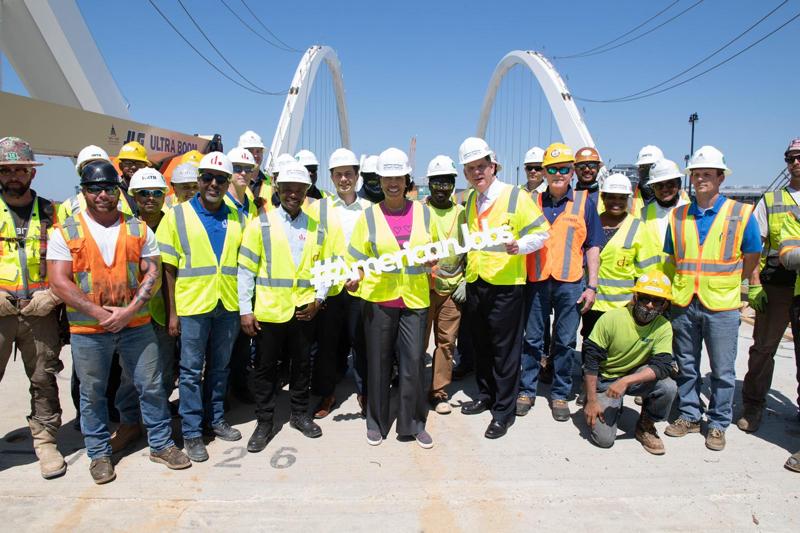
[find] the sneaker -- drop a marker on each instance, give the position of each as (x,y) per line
(560,409)
(196,449)
(751,419)
(715,439)
(374,437)
(224,431)
(793,462)
(102,470)
(682,427)
(441,406)
(638,400)
(172,457)
(524,404)
(306,426)
(124,436)
(424,439)
(647,435)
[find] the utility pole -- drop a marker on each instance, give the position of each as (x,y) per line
(692,119)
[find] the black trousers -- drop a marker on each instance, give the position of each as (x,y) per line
(240,362)
(402,331)
(289,342)
(339,328)
(494,317)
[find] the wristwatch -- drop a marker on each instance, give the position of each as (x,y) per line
(591,288)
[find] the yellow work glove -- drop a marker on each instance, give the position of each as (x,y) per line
(42,304)
(6,307)
(757,298)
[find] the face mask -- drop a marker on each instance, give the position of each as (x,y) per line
(643,314)
(372,189)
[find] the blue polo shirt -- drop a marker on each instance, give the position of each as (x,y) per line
(215,224)
(594,229)
(751,241)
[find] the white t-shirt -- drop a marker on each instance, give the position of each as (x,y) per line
(105,237)
(761,217)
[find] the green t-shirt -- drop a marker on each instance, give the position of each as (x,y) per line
(629,345)
(449,271)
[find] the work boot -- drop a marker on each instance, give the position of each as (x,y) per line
(172,457)
(682,427)
(124,436)
(195,449)
(102,470)
(715,439)
(750,420)
(793,462)
(647,435)
(51,462)
(560,410)
(325,406)
(260,437)
(305,425)
(524,404)
(225,431)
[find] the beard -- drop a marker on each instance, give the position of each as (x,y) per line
(16,189)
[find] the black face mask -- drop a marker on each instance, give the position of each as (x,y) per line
(581,186)
(643,314)
(648,195)
(372,188)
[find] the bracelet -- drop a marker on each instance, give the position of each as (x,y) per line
(591,288)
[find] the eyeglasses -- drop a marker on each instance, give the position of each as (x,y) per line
(441,185)
(792,158)
(242,169)
(533,168)
(592,165)
(561,170)
(208,178)
(11,170)
(132,163)
(150,193)
(110,189)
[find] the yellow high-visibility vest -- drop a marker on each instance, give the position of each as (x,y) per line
(790,238)
(23,270)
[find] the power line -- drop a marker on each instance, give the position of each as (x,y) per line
(211,64)
(619,37)
(249,27)
(289,48)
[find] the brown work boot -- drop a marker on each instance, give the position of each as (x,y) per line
(102,470)
(325,406)
(750,420)
(647,435)
(172,457)
(124,436)
(715,439)
(51,462)
(524,404)
(560,410)
(682,427)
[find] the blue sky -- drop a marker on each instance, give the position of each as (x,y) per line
(421,68)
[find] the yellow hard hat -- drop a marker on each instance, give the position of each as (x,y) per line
(192,156)
(654,283)
(558,153)
(134,151)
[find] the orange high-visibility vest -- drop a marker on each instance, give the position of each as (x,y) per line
(561,257)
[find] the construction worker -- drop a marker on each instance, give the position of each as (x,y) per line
(644,195)
(184,183)
(28,320)
(496,282)
(664,177)
(587,167)
(105,266)
(371,182)
(630,352)
(76,203)
(277,164)
(199,242)
(132,156)
(714,243)
(260,183)
(534,171)
(309,160)
(340,321)
(239,195)
(278,252)
(555,281)
(448,287)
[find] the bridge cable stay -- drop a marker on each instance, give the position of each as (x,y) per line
(256,33)
(261,23)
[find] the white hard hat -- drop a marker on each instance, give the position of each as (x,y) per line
(342,157)
(294,172)
(617,184)
(184,173)
(250,139)
(241,156)
(370,165)
(393,162)
(281,161)
(306,158)
(441,165)
(664,170)
(649,154)
(216,161)
(90,153)
(472,149)
(534,155)
(708,157)
(147,178)
(497,166)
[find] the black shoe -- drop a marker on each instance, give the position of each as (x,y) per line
(260,437)
(305,425)
(195,449)
(475,407)
(496,429)
(461,371)
(224,431)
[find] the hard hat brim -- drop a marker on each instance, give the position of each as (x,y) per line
(653,292)
(479,154)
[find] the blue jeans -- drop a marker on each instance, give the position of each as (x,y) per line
(138,355)
(215,331)
(691,326)
(540,298)
(166,354)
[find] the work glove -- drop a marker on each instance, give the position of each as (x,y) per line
(757,298)
(42,303)
(460,293)
(6,307)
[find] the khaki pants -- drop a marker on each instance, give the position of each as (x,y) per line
(38,343)
(767,333)
(444,317)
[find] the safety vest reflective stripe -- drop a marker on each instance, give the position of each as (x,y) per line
(577,205)
(286,283)
(536,223)
(266,242)
(559,256)
(24,272)
(614,297)
(608,282)
(790,242)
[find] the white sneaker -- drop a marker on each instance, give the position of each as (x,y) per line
(374,437)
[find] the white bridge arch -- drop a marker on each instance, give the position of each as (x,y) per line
(291,121)
(568,119)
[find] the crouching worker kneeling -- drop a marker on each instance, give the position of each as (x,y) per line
(630,352)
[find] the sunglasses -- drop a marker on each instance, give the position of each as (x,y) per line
(533,168)
(669,184)
(96,188)
(150,193)
(792,158)
(208,178)
(646,299)
(132,163)
(10,171)
(441,185)
(562,170)
(242,169)
(593,166)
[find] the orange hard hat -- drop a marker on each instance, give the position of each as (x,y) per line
(587,154)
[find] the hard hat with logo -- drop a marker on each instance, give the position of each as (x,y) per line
(534,155)
(654,283)
(588,154)
(16,151)
(99,171)
(306,158)
(708,157)
(472,149)
(216,161)
(794,146)
(393,162)
(558,153)
(441,165)
(648,155)
(193,156)
(342,157)
(185,173)
(90,153)
(616,184)
(147,178)
(294,172)
(135,152)
(250,139)
(241,156)
(281,161)
(664,170)
(370,165)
